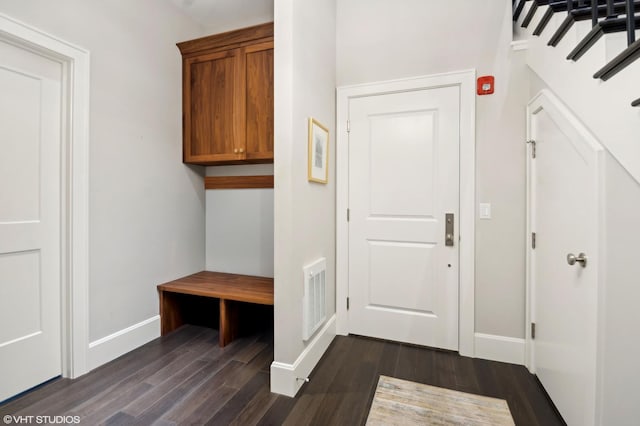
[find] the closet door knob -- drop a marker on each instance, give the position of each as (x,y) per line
(581,259)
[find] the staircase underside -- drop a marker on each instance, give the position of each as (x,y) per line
(587,54)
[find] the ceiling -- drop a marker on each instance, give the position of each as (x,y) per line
(223,15)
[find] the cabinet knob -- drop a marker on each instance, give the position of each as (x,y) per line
(241,150)
(235,151)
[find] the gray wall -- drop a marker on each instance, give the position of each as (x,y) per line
(239,224)
(146,208)
(381,40)
(304,212)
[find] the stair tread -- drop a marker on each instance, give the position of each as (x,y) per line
(620,62)
(584,14)
(606,26)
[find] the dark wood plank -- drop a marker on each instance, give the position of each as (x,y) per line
(94,414)
(278,412)
(35,395)
(202,404)
(255,409)
(238,182)
(487,382)
(245,394)
(120,419)
(230,385)
(122,369)
(176,393)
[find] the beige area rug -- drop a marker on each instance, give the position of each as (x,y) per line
(400,402)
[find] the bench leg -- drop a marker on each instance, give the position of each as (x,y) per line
(228,321)
(170,314)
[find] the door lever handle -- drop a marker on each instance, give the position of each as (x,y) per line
(581,259)
(448,229)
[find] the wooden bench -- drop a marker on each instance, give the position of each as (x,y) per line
(229,288)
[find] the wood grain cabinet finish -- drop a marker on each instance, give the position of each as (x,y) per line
(228,97)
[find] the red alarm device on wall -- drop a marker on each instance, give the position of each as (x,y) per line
(485,85)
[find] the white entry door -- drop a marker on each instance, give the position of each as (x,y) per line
(403,180)
(564,179)
(30,180)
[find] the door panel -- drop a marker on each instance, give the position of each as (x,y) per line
(20,202)
(416,260)
(391,153)
(403,178)
(212,110)
(21,271)
(30,137)
(259,104)
(565,219)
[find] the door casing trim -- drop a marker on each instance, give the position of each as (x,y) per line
(466,81)
(75,62)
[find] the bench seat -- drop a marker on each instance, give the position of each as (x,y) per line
(228,288)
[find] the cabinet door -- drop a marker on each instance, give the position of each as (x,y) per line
(259,101)
(213,108)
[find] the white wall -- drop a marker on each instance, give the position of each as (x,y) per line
(618,351)
(220,16)
(381,40)
(146,207)
(304,212)
(621,347)
(590,98)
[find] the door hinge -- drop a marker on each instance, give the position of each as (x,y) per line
(348,126)
(533,240)
(533,330)
(347,303)
(348,214)
(533,148)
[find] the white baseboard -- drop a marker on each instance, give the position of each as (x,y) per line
(500,348)
(287,379)
(119,343)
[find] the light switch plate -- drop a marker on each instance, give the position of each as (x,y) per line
(485,210)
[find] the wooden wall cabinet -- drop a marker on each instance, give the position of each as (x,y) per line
(227,94)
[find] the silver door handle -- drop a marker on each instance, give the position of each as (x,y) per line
(581,259)
(448,229)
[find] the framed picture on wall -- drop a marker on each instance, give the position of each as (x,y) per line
(318,162)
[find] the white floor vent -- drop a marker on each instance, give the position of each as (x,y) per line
(314,299)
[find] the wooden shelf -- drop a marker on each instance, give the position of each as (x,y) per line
(238,182)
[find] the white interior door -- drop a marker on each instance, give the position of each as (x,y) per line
(30,137)
(564,215)
(403,179)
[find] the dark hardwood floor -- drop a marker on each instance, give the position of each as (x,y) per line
(185,378)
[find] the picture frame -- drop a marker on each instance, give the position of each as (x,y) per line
(318,158)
